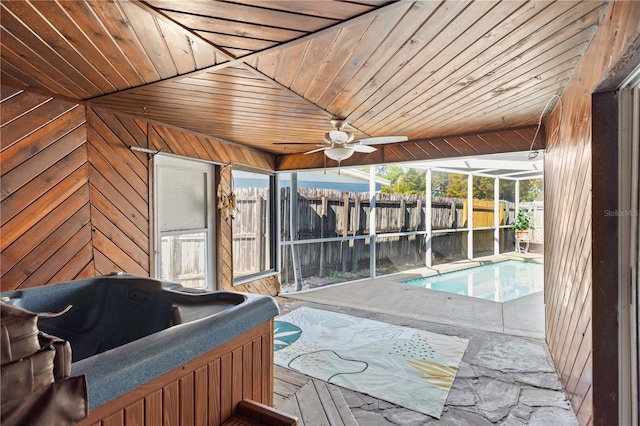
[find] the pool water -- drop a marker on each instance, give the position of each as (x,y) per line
(500,281)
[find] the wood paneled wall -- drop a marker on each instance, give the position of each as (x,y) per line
(119,190)
(569,286)
(75,199)
(44,209)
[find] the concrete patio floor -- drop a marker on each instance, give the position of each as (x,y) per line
(506,377)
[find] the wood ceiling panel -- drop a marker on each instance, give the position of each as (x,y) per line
(270,74)
(231,103)
(84,49)
(387,110)
(90,59)
(125,40)
(332,61)
(240,29)
(336,10)
(528,101)
(394,37)
(45,62)
(402,58)
(523,61)
(366,48)
(256,15)
(22,69)
(240,45)
(439,108)
(440,59)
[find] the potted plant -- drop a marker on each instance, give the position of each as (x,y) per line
(522,224)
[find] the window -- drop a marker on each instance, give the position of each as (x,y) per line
(184,217)
(253,237)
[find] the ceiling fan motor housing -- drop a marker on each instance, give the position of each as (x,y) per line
(338,123)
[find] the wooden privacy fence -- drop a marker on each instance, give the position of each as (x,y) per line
(324,213)
(251,231)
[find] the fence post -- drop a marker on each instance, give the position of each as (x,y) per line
(345,230)
(323,214)
(356,227)
(293,220)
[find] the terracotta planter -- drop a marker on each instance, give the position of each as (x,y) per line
(523,235)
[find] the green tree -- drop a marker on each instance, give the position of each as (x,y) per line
(507,190)
(457,187)
(531,190)
(403,181)
(413,181)
(439,184)
(483,188)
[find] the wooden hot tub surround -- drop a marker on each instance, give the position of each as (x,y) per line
(156,353)
(204,391)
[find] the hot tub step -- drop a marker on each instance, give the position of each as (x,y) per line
(251,413)
(314,401)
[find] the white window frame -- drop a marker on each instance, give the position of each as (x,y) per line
(271,269)
(163,161)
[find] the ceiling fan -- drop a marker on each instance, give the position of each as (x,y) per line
(340,144)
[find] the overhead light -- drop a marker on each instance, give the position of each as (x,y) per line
(339,153)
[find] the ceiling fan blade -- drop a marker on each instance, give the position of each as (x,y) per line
(363,148)
(296,143)
(316,150)
(382,139)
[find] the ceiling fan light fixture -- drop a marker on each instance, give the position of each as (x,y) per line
(339,136)
(339,153)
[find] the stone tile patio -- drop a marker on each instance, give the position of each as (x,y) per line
(502,380)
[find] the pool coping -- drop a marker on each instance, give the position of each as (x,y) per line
(523,316)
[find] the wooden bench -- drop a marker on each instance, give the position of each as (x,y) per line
(252,413)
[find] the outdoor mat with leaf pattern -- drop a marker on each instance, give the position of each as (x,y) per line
(407,367)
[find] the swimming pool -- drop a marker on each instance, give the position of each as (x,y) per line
(500,281)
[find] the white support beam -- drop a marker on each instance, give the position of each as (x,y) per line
(427,219)
(525,172)
(372,221)
(472,164)
(470,216)
(496,216)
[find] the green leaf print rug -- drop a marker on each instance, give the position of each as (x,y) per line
(407,367)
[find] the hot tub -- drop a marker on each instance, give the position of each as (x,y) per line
(127,330)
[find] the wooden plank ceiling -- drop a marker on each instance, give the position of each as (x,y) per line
(270,74)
